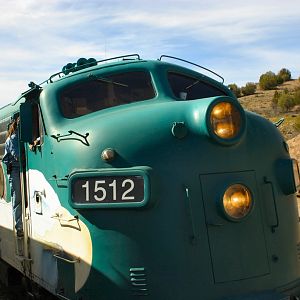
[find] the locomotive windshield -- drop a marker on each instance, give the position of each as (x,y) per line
(190,88)
(103,92)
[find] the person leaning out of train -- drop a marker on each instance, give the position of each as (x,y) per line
(12,161)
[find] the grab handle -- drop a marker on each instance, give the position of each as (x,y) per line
(276,225)
(73,261)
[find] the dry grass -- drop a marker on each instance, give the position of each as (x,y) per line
(261,103)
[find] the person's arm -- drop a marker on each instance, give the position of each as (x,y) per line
(14,147)
(6,155)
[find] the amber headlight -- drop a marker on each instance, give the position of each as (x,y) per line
(237,201)
(226,120)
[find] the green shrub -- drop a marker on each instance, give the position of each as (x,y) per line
(248,89)
(235,89)
(286,101)
(275,98)
(279,80)
(286,91)
(297,96)
(284,75)
(268,81)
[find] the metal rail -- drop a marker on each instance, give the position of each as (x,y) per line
(124,57)
(188,62)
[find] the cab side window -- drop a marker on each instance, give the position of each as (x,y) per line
(189,88)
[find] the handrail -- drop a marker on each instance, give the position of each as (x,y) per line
(59,253)
(70,261)
(96,62)
(188,62)
(279,122)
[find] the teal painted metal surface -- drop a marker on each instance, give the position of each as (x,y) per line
(176,243)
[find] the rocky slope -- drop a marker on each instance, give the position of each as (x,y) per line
(261,103)
(294,145)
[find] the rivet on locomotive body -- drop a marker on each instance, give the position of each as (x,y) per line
(108,154)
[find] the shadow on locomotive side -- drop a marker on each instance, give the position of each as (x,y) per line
(146,179)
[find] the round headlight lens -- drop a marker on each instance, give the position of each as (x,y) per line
(225,119)
(237,201)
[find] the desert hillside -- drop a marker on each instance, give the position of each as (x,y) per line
(261,103)
(294,145)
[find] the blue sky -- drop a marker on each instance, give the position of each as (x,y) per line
(238,39)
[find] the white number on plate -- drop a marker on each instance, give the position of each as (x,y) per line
(100,192)
(101,189)
(127,182)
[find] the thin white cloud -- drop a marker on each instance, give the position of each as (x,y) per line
(229,24)
(40,37)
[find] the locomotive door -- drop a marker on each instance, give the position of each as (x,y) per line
(237,248)
(29,132)
(44,265)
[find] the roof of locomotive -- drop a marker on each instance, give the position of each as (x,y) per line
(72,70)
(83,65)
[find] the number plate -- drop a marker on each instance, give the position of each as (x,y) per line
(108,189)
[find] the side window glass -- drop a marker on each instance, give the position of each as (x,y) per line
(189,88)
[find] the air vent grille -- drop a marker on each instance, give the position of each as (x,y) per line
(138,279)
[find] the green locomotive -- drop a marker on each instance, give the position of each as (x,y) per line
(147,180)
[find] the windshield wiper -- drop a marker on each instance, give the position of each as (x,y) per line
(105,80)
(194,83)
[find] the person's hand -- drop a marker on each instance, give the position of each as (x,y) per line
(32,147)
